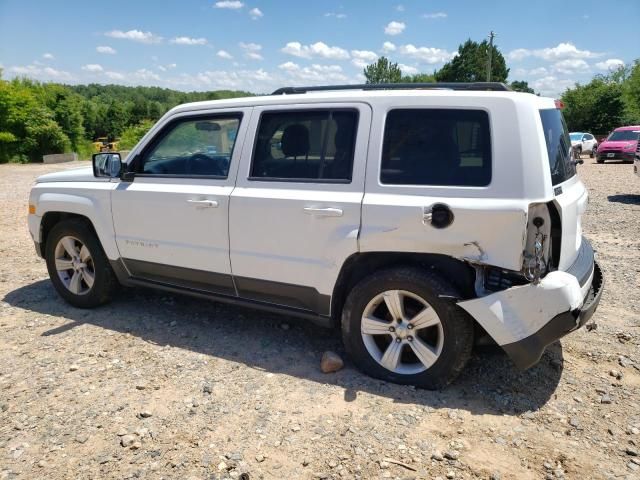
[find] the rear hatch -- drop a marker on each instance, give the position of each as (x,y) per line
(570,193)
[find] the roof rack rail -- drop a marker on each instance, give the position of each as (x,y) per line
(476,86)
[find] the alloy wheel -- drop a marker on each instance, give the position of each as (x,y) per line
(402,332)
(74,265)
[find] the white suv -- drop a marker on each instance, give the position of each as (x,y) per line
(417,219)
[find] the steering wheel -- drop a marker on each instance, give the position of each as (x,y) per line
(212,167)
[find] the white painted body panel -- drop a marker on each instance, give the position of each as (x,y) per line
(161,220)
(89,199)
(274,238)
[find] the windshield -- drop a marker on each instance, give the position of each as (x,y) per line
(576,136)
(556,136)
(621,135)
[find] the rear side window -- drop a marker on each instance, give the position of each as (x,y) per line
(436,147)
(556,136)
(312,146)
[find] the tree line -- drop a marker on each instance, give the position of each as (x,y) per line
(42,118)
(606,102)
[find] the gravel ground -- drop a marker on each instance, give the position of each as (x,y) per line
(162,386)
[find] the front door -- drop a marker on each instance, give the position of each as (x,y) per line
(171,222)
(295,212)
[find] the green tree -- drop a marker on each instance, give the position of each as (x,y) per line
(419,78)
(631,94)
(521,86)
(132,134)
(470,64)
(596,107)
(383,71)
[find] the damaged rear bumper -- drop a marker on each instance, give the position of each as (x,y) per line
(525,319)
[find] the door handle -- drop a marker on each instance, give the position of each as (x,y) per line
(204,203)
(323,212)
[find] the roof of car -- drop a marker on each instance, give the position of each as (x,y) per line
(358,95)
(628,127)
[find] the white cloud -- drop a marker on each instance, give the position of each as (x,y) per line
(145,75)
(551,86)
(224,54)
(435,15)
(135,35)
(189,41)
(114,75)
(408,69)
(610,64)
(318,49)
(388,47)
(559,52)
(164,68)
(251,50)
(93,68)
(48,56)
(314,74)
(40,73)
(339,16)
(256,13)
(394,28)
(571,65)
(106,50)
(399,8)
(229,4)
(540,71)
(361,58)
(428,55)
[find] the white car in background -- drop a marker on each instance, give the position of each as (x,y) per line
(583,143)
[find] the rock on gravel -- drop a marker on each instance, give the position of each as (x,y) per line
(331,362)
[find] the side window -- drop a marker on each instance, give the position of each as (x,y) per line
(436,147)
(193,147)
(313,145)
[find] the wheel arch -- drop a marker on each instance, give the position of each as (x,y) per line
(359,265)
(56,207)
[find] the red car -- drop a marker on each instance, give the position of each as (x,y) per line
(621,144)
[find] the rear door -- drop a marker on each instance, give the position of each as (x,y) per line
(295,211)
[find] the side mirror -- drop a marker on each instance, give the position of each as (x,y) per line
(107,165)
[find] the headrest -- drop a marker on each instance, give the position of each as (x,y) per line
(295,140)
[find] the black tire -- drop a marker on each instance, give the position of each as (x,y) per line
(456,323)
(599,160)
(105,281)
(579,151)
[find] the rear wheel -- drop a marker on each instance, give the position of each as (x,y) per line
(398,326)
(77,265)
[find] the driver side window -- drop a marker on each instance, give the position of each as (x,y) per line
(189,147)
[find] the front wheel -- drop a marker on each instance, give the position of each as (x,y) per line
(77,265)
(400,325)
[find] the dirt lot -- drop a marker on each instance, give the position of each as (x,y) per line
(202,390)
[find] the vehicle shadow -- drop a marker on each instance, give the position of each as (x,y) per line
(490,383)
(626,198)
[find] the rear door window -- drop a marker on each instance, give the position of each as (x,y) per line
(306,146)
(436,147)
(556,136)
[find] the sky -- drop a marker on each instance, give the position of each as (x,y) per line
(260,45)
